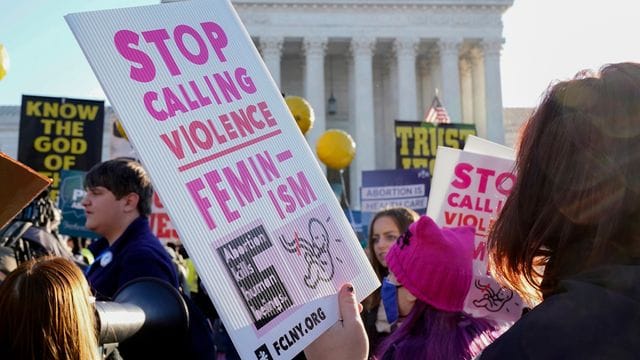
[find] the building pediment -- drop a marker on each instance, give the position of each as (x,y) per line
(381,18)
(372,3)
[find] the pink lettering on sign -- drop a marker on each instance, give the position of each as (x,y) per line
(477,203)
(127,42)
(480,251)
(465,178)
(295,193)
(240,180)
(203,204)
(226,86)
(202,55)
(204,135)
(158,38)
(481,224)
(234,187)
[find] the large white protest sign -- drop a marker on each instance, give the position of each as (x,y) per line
(469,189)
(240,184)
(483,146)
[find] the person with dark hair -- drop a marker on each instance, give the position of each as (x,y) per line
(386,226)
(432,269)
(569,233)
(47,312)
(117,205)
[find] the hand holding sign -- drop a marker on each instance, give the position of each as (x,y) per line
(347,338)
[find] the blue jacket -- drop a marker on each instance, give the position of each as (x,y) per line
(136,253)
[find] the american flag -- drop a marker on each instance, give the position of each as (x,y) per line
(437,113)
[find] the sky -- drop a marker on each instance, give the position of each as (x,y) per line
(545,41)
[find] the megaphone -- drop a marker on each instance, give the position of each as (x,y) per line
(145,313)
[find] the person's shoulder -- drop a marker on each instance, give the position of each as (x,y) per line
(142,238)
(150,248)
(145,260)
(583,321)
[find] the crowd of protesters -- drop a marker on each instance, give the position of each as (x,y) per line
(567,240)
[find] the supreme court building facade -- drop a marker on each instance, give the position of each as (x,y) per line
(381,61)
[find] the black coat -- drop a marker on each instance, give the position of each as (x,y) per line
(594,315)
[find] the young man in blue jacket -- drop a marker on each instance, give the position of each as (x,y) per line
(117,206)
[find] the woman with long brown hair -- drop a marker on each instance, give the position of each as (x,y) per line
(46,313)
(386,226)
(569,233)
(568,237)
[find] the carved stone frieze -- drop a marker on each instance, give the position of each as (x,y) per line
(271,45)
(363,45)
(492,47)
(495,5)
(415,13)
(449,46)
(315,46)
(406,46)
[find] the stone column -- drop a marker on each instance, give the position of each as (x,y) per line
(363,116)
(425,86)
(314,49)
(385,159)
(391,64)
(405,50)
(436,75)
(466,91)
(493,89)
(271,47)
(477,82)
(449,52)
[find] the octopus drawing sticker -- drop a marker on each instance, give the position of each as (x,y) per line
(493,297)
(316,252)
(315,249)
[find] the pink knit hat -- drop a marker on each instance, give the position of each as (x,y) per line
(435,265)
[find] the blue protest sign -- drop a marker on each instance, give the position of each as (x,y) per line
(391,188)
(70,202)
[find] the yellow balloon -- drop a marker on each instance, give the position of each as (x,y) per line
(302,112)
(336,149)
(4,61)
(121,130)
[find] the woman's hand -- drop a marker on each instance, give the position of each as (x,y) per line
(346,339)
